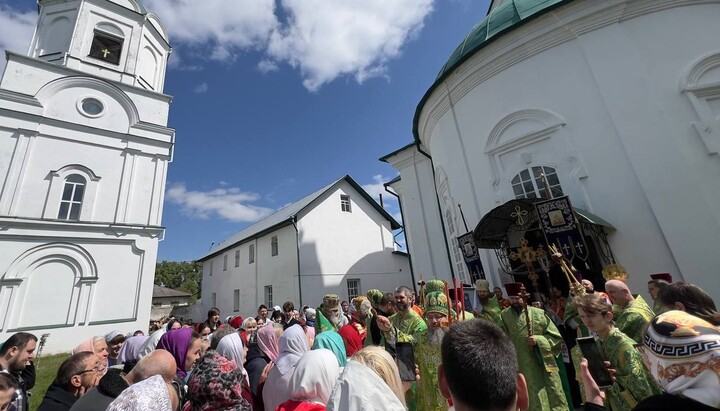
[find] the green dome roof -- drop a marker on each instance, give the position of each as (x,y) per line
(507,16)
(501,19)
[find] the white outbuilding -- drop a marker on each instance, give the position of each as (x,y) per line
(336,240)
(84,151)
(614,103)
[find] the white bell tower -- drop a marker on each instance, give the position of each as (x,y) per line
(84,152)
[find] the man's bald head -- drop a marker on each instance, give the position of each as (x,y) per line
(159,362)
(619,292)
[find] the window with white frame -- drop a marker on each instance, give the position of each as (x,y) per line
(236,300)
(213,299)
(353,288)
(237,258)
(72,197)
(345,203)
(268,295)
(251,254)
(225,262)
(274,245)
(537,182)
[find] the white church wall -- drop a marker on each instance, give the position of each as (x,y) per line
(336,246)
(627,150)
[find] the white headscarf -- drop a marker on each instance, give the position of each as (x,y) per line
(683,352)
(130,350)
(292,345)
(147,395)
(231,347)
(152,341)
(361,389)
(315,374)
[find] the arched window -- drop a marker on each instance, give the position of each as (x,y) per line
(537,182)
(72,198)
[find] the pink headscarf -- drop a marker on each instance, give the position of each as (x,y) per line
(268,342)
(89,346)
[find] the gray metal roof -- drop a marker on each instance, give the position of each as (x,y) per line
(286,215)
(160,291)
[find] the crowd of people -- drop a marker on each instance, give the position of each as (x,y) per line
(502,354)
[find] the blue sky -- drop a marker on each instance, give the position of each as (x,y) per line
(276,99)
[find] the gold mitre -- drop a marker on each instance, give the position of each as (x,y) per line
(615,272)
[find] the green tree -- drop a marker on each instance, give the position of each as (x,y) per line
(180,275)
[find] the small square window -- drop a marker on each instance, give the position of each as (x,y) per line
(106,48)
(345,203)
(274,245)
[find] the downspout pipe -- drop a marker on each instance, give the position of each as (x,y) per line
(407,242)
(293,220)
(442,220)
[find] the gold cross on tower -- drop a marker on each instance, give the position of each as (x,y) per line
(528,255)
(105,53)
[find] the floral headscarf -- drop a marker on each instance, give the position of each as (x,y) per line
(177,342)
(231,347)
(268,342)
(683,354)
(147,395)
(332,341)
(216,384)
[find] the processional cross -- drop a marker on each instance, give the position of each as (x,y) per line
(526,297)
(528,255)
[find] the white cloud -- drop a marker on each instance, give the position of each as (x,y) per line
(267,66)
(16,31)
(323,39)
(226,203)
(201,88)
(326,39)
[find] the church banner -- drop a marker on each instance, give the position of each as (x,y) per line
(471,256)
(560,225)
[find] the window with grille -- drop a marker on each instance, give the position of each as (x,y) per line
(251,252)
(537,182)
(225,262)
(353,288)
(274,246)
(237,258)
(236,300)
(72,197)
(269,296)
(449,221)
(345,203)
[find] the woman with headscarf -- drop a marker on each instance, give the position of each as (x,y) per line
(98,346)
(184,345)
(260,358)
(682,353)
(130,352)
(152,394)
(231,347)
(114,340)
(217,384)
(332,341)
(361,388)
(292,345)
(312,382)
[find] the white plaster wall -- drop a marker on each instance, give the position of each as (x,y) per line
(279,271)
(337,245)
(628,151)
(421,216)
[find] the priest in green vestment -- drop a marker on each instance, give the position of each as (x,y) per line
(486,305)
(537,353)
(633,381)
(632,314)
(328,316)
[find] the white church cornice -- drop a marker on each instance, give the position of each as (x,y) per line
(62,226)
(549,30)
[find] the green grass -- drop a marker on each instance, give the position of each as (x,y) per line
(46,368)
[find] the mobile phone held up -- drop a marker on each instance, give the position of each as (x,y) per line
(596,364)
(405,360)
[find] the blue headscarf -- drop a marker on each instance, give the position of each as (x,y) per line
(332,341)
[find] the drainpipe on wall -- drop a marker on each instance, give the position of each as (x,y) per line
(442,220)
(407,242)
(293,219)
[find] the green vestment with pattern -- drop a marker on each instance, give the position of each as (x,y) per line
(404,328)
(632,319)
(427,391)
(545,388)
(634,382)
(491,310)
